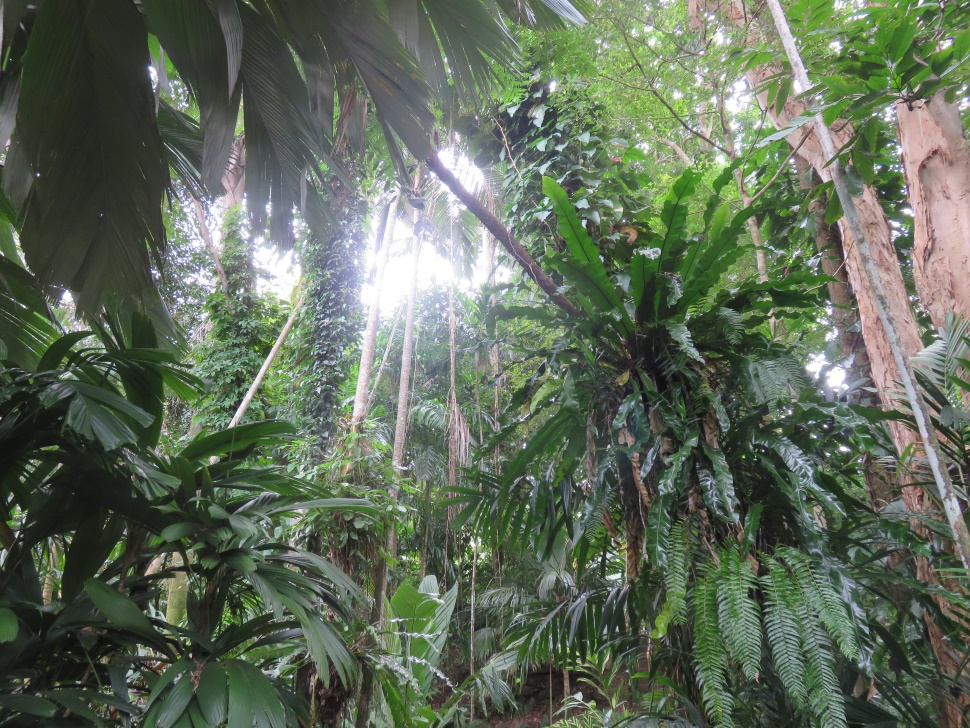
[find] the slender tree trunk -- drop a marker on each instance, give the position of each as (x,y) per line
(427,532)
(937,165)
(753,228)
(380,370)
(828,242)
(404,388)
(397,462)
(267,363)
(471,646)
(209,244)
(373,321)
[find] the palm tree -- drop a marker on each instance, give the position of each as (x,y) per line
(91,143)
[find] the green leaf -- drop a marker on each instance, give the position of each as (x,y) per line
(91,545)
(93,218)
(9,625)
(589,275)
(718,488)
(26,326)
(175,701)
(119,609)
(236,439)
(284,139)
(252,699)
(192,37)
(658,528)
(242,708)
(28,705)
(213,694)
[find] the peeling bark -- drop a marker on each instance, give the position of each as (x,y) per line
(936,161)
(885,373)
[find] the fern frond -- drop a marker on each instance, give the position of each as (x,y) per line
(739,613)
(782,629)
(729,325)
(824,695)
(710,652)
(680,547)
(824,600)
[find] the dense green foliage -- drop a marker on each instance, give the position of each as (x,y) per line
(634,472)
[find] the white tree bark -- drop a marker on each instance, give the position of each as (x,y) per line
(267,363)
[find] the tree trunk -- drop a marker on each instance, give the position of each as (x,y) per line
(267,363)
(397,461)
(404,386)
(373,321)
(380,370)
(936,161)
(887,315)
(209,244)
(753,228)
(885,373)
(178,594)
(234,178)
(828,242)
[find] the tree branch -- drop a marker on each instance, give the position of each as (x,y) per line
(502,234)
(679,150)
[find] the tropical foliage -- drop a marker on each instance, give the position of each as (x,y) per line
(570,404)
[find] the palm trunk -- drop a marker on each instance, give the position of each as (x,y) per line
(937,165)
